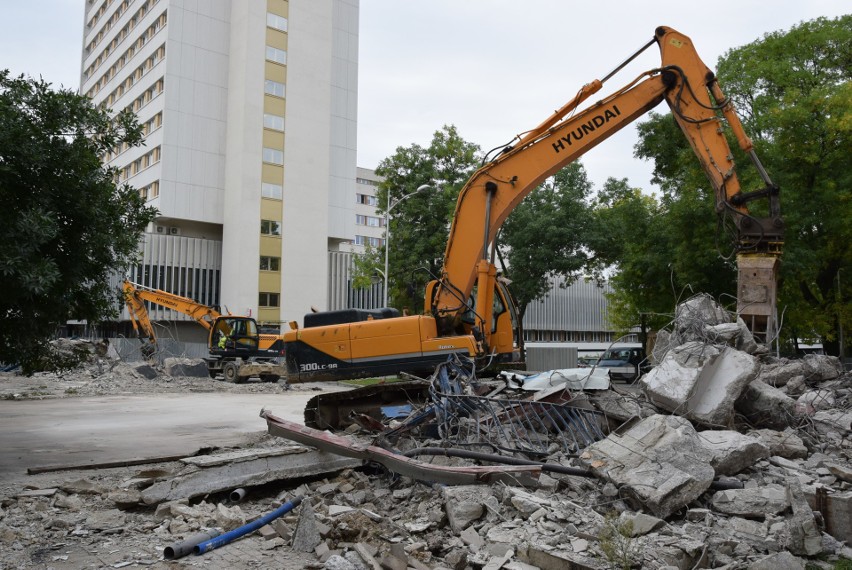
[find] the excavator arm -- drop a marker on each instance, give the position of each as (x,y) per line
(135,294)
(698,105)
(134,297)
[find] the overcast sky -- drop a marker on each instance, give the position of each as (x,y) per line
(492,68)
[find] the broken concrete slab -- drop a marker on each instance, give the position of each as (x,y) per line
(240,455)
(146,371)
(307,535)
(765,406)
(805,538)
(836,511)
(202,481)
(547,558)
(784,444)
(659,462)
(732,452)
(838,421)
(640,524)
(753,503)
(814,368)
(778,561)
(701,382)
(817,400)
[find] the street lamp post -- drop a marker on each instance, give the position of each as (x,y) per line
(391,206)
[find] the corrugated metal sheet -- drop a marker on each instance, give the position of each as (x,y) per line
(541,358)
(186,266)
(579,307)
(341,293)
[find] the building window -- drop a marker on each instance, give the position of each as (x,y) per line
(366,199)
(276,55)
(276,21)
(270,228)
(268,300)
(274,191)
(366,182)
(273,156)
(371,221)
(368,240)
(268,263)
(274,122)
(273,88)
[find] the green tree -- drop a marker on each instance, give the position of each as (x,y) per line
(793,90)
(419,225)
(544,235)
(65,224)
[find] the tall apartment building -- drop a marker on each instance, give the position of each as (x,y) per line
(249,108)
(369,226)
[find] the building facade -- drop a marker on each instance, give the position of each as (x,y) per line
(250,114)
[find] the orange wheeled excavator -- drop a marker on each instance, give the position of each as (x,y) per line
(470,310)
(237,350)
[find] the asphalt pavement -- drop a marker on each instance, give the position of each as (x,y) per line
(87,430)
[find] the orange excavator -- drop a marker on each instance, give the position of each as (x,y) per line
(237,350)
(470,309)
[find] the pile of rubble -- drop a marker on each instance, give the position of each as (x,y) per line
(101,371)
(721,457)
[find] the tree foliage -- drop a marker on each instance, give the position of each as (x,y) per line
(544,235)
(65,224)
(420,223)
(793,90)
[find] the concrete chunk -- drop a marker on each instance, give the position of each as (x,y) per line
(778,561)
(755,503)
(659,462)
(805,537)
(465,504)
(190,367)
(765,406)
(732,451)
(838,421)
(245,473)
(784,444)
(701,382)
(307,536)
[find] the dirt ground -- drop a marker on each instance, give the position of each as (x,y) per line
(76,525)
(96,518)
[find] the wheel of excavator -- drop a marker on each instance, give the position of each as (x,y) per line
(231,372)
(269,378)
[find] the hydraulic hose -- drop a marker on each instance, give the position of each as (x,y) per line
(224,539)
(493,458)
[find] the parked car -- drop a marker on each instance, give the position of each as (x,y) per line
(625,364)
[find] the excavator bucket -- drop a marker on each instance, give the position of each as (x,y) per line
(148,348)
(756,294)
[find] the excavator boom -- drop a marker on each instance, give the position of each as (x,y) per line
(347,344)
(698,105)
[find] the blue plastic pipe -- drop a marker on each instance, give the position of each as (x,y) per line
(224,539)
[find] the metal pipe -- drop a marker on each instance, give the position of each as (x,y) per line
(224,539)
(184,547)
(493,458)
(237,495)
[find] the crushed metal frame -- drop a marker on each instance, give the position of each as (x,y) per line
(516,475)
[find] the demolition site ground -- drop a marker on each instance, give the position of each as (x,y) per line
(721,457)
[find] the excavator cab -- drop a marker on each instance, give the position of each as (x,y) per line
(234,336)
(505,332)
